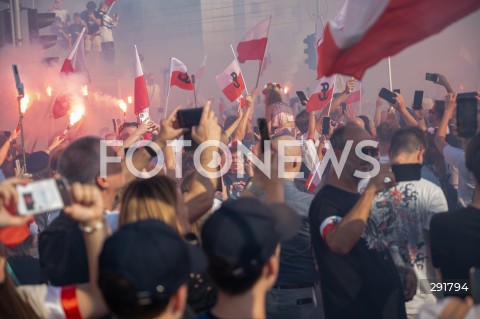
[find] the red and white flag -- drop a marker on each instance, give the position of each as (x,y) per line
(179,76)
(73,63)
(201,69)
(242,102)
(253,44)
(141,100)
(267,60)
(375,29)
(322,95)
(231,81)
(109,2)
(313,179)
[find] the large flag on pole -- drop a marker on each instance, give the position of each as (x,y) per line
(354,95)
(231,81)
(201,69)
(179,76)
(375,29)
(253,44)
(322,95)
(71,62)
(141,94)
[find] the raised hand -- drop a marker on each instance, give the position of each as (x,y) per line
(9,197)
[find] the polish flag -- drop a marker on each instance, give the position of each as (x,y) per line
(322,95)
(313,179)
(179,75)
(242,102)
(355,95)
(375,29)
(141,100)
(231,81)
(70,63)
(267,60)
(109,2)
(254,43)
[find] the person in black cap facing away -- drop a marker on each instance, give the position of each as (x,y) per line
(242,243)
(143,271)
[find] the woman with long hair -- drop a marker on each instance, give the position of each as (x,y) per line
(277,113)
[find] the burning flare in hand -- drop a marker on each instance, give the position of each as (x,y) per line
(76,114)
(49,91)
(85,90)
(130,100)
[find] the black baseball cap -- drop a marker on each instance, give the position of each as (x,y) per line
(37,161)
(151,259)
(245,232)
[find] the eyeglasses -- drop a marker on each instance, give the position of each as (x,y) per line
(271,86)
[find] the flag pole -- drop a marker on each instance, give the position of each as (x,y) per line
(261,62)
(194,90)
(168,92)
(331,100)
(198,82)
(390,73)
(110,9)
(238,64)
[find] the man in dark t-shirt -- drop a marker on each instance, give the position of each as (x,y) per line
(356,282)
(236,178)
(455,236)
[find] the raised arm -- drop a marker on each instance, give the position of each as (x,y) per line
(450,106)
(242,127)
(402,108)
(87,210)
(199,198)
(347,232)
(442,80)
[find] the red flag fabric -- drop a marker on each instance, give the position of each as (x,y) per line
(61,107)
(179,75)
(241,101)
(71,60)
(231,81)
(253,44)
(355,95)
(375,29)
(322,94)
(141,94)
(109,2)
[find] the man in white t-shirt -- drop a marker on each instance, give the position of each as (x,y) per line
(401,215)
(60,12)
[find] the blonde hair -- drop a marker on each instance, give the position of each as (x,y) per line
(153,198)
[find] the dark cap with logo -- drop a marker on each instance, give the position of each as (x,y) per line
(245,232)
(150,259)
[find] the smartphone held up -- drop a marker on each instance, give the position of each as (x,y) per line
(42,196)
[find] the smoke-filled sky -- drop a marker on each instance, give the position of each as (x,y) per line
(192,29)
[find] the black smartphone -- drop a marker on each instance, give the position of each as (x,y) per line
(326,125)
(417,100)
(264,135)
(301,96)
(219,185)
(431,77)
(256,130)
(407,172)
(397,91)
(467,114)
(388,96)
(475,284)
(189,117)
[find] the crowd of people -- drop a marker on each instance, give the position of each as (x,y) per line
(213,235)
(98,26)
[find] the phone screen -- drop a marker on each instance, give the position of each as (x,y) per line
(388,96)
(397,91)
(326,125)
(407,172)
(264,135)
(42,196)
(189,117)
(467,117)
(417,100)
(301,96)
(431,77)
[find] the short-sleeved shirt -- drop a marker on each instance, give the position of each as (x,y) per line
(282,117)
(455,243)
(74,31)
(234,184)
(92,27)
(360,284)
(461,178)
(400,216)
